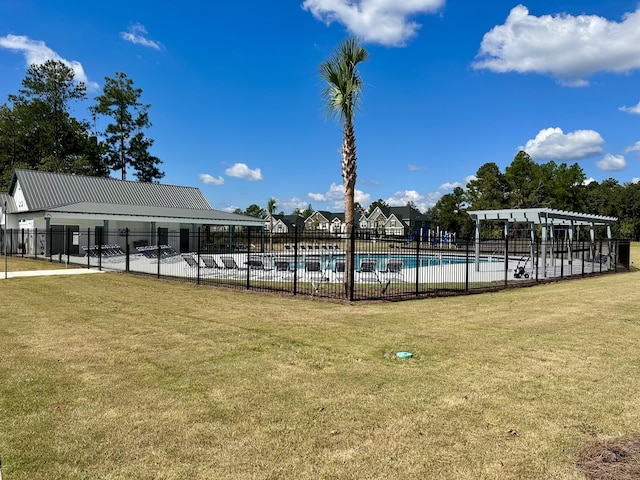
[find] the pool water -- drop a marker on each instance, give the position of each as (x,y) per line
(408,260)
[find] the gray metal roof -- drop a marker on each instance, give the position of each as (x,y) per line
(46,190)
(185,215)
(101,196)
(4,197)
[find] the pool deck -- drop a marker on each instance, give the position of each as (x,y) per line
(487,272)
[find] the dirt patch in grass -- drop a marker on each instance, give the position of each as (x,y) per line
(614,459)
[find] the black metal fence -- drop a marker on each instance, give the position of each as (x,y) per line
(312,263)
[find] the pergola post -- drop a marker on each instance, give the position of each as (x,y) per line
(570,246)
(532,234)
(506,246)
(545,234)
(477,245)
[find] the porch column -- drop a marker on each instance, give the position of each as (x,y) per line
(105,232)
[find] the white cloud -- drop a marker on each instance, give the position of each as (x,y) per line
(571,48)
(633,148)
(36,53)
(554,144)
(450,186)
(612,163)
(468,179)
(588,181)
(211,180)
(241,170)
(289,205)
(635,109)
(136,35)
(416,168)
(402,198)
(635,180)
(386,22)
(335,197)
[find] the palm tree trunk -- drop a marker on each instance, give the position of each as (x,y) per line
(349,180)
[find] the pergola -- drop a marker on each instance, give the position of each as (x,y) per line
(548,218)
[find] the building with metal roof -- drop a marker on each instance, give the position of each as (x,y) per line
(38,200)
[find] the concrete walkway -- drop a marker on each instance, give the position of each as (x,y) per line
(43,273)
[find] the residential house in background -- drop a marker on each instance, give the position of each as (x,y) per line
(284,223)
(324,221)
(398,221)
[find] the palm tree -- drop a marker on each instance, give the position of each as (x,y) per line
(271,208)
(342,96)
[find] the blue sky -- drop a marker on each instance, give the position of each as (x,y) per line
(450,85)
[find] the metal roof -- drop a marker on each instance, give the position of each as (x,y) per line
(77,195)
(541,216)
(136,212)
(45,190)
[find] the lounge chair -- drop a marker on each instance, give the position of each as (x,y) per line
(368,271)
(339,269)
(255,263)
(206,266)
(192,263)
(257,267)
(313,269)
(394,269)
(283,268)
(232,267)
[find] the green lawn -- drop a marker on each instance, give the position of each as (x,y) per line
(124,377)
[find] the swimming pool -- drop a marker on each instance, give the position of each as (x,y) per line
(381,259)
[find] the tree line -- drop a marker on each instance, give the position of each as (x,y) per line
(528,184)
(38,130)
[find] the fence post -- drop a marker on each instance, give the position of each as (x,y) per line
(35,243)
(127,251)
(99,238)
(295,259)
(352,262)
(417,283)
(159,250)
(68,243)
(88,247)
(466,270)
(50,244)
(562,257)
(23,245)
(198,248)
(248,258)
(506,260)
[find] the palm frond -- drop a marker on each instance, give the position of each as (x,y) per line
(344,84)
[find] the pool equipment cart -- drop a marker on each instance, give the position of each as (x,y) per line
(520,270)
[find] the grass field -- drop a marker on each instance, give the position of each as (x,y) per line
(123,377)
